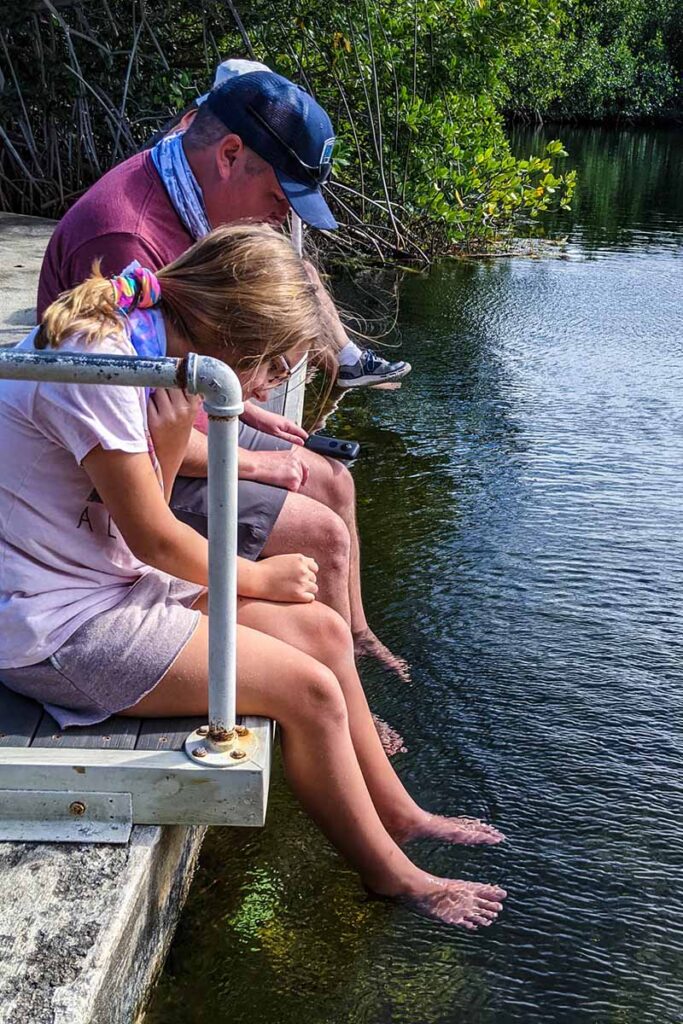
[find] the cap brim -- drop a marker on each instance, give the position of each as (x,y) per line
(308,202)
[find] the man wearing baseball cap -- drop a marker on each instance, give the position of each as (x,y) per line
(357,367)
(258,145)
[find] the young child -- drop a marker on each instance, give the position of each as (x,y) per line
(103,590)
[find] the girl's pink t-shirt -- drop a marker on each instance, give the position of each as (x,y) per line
(62,560)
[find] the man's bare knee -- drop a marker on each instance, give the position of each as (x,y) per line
(332,542)
(320,631)
(342,489)
(313,529)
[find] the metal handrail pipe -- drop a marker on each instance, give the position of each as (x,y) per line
(223,404)
(220,388)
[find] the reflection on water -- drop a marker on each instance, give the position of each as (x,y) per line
(521,506)
(630,198)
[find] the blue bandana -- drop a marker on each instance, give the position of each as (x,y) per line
(181,185)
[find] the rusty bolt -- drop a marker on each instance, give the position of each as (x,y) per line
(223,735)
(241,730)
(237,755)
(77,808)
(199,752)
(203,730)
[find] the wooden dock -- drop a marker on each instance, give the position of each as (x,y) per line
(85,927)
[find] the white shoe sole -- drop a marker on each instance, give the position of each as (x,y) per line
(366,382)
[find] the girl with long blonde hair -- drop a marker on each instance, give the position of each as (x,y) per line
(103,591)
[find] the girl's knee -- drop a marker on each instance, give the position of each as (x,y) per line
(321,700)
(319,628)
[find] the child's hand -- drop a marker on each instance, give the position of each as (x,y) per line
(170,415)
(281,578)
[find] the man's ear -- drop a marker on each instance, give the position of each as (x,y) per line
(228,151)
(186,120)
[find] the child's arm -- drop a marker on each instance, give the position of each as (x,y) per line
(170,415)
(128,486)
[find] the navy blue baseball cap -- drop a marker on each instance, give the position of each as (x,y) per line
(285,126)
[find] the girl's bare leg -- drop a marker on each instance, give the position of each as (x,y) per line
(279,681)
(318,631)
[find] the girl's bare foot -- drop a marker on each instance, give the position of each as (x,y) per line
(367,645)
(463,831)
(392,741)
(452,901)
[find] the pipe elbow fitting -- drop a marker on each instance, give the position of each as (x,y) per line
(217,383)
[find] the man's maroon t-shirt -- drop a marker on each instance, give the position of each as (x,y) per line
(124,216)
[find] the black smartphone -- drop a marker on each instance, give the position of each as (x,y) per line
(333,446)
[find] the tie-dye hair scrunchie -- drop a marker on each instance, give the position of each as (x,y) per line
(136,289)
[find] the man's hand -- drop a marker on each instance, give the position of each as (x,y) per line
(280,469)
(272,423)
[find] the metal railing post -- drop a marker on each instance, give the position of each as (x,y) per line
(223,739)
(220,743)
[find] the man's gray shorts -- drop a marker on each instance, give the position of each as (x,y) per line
(259,504)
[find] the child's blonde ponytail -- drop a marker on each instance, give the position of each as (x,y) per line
(88,310)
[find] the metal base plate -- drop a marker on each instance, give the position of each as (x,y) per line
(52,817)
(198,748)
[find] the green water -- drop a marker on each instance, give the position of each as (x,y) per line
(521,508)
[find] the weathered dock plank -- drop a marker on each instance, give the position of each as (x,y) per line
(116,733)
(19,719)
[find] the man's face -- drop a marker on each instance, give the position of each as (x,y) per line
(243,187)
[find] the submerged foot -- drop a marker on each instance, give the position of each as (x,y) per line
(452,901)
(392,741)
(463,831)
(367,645)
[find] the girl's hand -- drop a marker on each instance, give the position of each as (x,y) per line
(287,578)
(272,423)
(170,415)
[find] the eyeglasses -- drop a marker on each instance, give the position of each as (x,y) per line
(279,370)
(283,371)
(317,175)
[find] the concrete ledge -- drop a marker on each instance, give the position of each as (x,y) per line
(85,929)
(22,244)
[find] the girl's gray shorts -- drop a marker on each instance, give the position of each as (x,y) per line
(111,662)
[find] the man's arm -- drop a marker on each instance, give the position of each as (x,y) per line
(281,469)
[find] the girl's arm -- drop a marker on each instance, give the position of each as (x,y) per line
(128,486)
(170,415)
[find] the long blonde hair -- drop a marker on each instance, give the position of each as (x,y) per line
(241,290)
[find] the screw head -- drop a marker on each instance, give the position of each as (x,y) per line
(237,755)
(203,730)
(241,730)
(77,808)
(199,752)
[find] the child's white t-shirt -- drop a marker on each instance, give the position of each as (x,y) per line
(62,560)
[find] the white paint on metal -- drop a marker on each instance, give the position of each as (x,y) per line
(165,786)
(297,233)
(65,817)
(223,403)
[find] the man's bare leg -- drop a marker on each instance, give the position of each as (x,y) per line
(330,483)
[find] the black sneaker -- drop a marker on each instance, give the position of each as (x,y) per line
(371,369)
